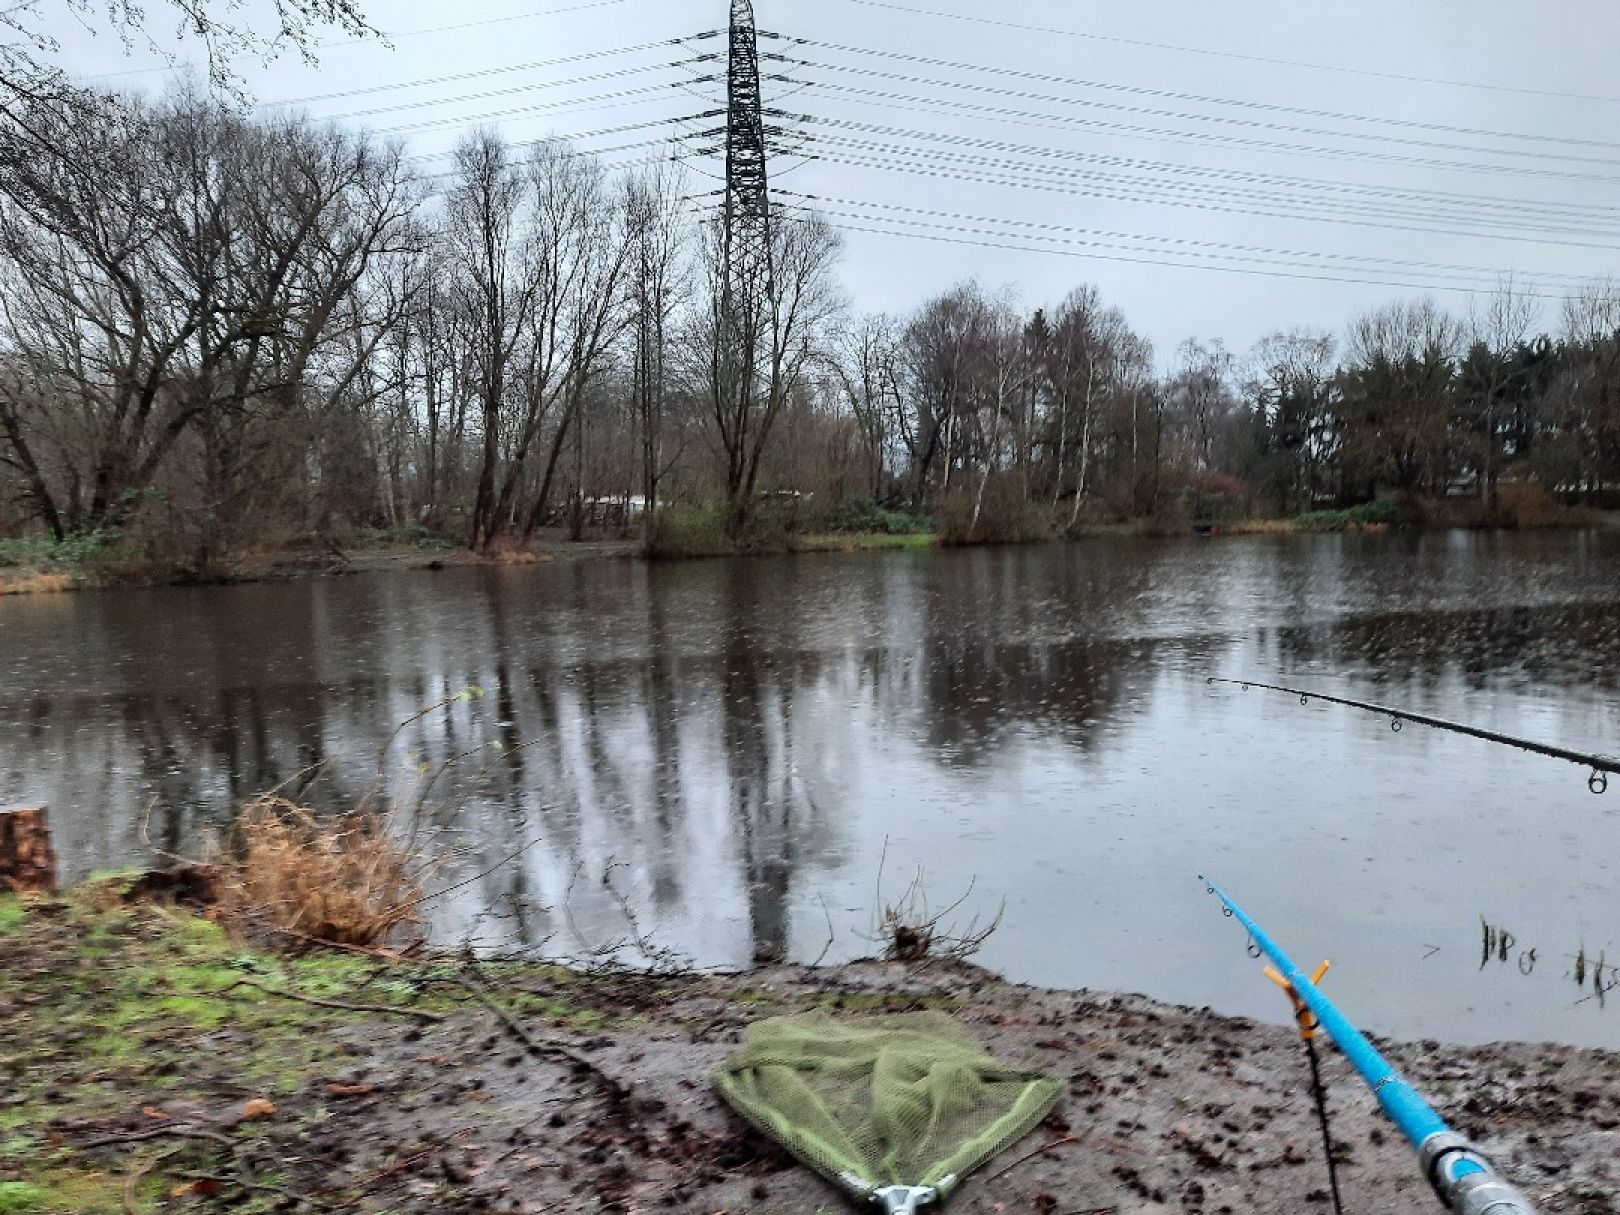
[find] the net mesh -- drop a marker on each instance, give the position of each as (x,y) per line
(868,1102)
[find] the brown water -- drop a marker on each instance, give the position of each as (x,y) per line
(711,755)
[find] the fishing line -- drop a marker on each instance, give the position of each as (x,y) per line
(1319,1093)
(1601,766)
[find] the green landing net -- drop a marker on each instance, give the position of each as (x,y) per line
(894,1110)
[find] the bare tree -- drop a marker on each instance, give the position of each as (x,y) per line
(182,278)
(1403,359)
(1291,385)
(27,45)
(583,227)
(938,354)
(657,240)
(865,363)
(758,352)
(496,282)
(1498,330)
(1081,365)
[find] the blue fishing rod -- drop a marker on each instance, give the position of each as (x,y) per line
(1462,1178)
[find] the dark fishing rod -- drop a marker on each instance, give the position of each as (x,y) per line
(1600,765)
(1462,1179)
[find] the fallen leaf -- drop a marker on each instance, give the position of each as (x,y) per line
(350,1090)
(256,1109)
(152,1111)
(202,1187)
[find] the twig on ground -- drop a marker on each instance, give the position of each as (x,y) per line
(158,1132)
(541,1046)
(133,1181)
(420,1014)
(382,955)
(243,1183)
(1040,1151)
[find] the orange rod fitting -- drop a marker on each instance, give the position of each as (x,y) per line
(1308,1026)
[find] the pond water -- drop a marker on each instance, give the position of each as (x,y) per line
(728,759)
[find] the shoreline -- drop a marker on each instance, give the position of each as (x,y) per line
(157,1058)
(288,565)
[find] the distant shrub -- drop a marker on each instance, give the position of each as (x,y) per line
(1517,505)
(75,554)
(864,515)
(1209,497)
(700,531)
(1529,505)
(689,531)
(415,535)
(1005,516)
(1388,510)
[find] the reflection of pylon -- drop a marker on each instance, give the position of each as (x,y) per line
(747,218)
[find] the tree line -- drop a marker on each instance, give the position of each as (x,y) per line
(219,330)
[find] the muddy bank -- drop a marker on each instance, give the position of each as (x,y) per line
(152,1063)
(281,565)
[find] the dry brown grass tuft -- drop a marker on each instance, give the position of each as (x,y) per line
(343,880)
(37,584)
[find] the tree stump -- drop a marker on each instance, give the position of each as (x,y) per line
(27,861)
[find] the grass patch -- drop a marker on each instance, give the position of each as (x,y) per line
(406,535)
(20,1196)
(12,914)
(41,567)
(859,542)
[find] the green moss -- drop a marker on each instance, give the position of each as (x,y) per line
(12,914)
(882,1001)
(17,1197)
(557,1011)
(18,1145)
(79,1191)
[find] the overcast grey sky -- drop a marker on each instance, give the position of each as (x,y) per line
(1167,130)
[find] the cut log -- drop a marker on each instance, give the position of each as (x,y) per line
(27,861)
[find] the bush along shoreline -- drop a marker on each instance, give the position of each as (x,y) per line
(964,518)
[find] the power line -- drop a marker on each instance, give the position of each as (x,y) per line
(942,236)
(479,73)
(1171,94)
(1131,130)
(1435,280)
(571,105)
(1239,55)
(1022,182)
(1039,153)
(429,103)
(1189,242)
(1076,180)
(1426,198)
(569,138)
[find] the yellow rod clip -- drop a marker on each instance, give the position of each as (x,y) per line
(1308,1026)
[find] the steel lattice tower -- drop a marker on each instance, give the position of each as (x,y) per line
(746,240)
